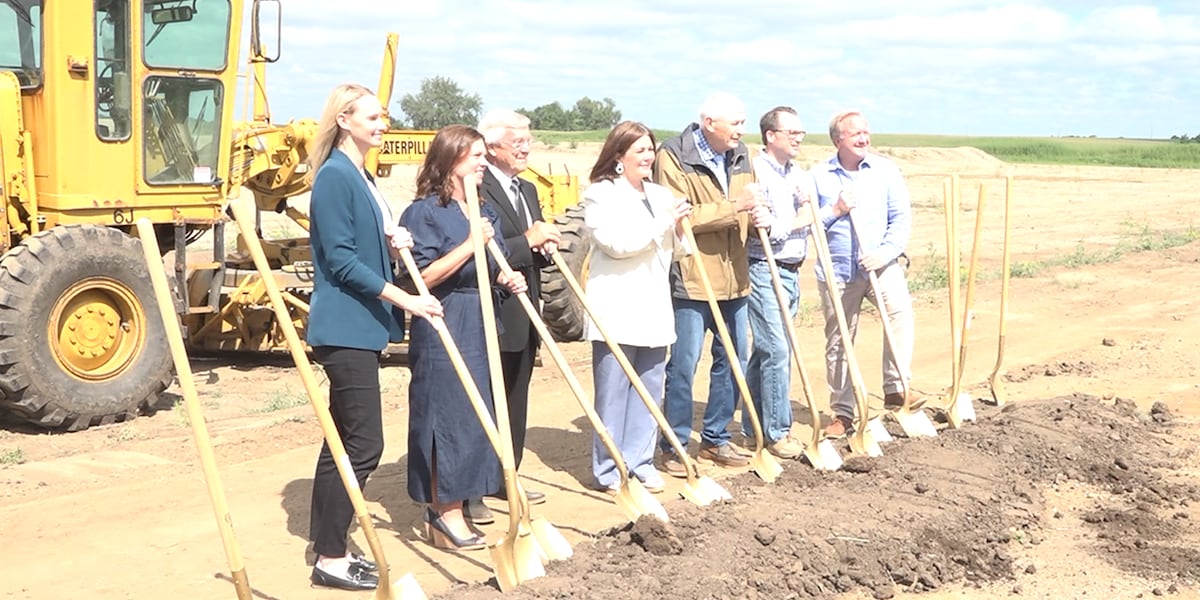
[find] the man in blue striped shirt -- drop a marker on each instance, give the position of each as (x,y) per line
(786,188)
(856,183)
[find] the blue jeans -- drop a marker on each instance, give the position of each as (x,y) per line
(768,374)
(692,319)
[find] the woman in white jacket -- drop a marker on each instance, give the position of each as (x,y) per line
(636,235)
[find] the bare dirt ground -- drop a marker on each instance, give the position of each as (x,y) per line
(1083,488)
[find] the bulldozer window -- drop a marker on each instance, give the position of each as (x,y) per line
(186,34)
(183,129)
(21,40)
(113,88)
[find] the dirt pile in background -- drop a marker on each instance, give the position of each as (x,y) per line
(930,512)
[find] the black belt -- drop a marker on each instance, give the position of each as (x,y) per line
(793,267)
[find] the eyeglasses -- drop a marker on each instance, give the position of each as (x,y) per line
(519,144)
(795,134)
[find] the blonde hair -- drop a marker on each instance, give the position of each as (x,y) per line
(329,134)
(835,123)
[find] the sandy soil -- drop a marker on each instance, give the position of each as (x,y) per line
(1079,490)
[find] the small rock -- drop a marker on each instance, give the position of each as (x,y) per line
(858,464)
(1157,592)
(1174,589)
(884,593)
(765,536)
(1108,342)
(1121,463)
(921,488)
(1057,515)
(1030,570)
(1017,589)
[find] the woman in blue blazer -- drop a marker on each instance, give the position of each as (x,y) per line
(355,312)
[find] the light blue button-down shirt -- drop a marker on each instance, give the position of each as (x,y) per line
(712,158)
(779,184)
(883,212)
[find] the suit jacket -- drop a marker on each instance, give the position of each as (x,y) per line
(517,334)
(351,260)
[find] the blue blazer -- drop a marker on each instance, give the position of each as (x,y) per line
(351,260)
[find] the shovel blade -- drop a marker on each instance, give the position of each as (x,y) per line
(643,501)
(863,443)
(961,410)
(551,540)
(504,566)
(765,466)
(527,559)
(713,490)
(823,456)
(999,394)
(915,424)
(407,588)
(878,432)
(625,501)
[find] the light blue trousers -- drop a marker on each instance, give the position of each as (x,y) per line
(624,414)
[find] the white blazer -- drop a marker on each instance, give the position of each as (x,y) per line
(632,251)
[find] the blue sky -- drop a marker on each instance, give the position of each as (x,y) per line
(1024,67)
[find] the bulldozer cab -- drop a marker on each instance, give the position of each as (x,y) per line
(129,109)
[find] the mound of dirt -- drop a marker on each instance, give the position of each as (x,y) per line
(929,512)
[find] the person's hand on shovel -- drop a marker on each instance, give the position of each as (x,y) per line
(681,211)
(398,238)
(515,284)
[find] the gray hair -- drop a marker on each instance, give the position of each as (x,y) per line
(721,105)
(836,122)
(497,121)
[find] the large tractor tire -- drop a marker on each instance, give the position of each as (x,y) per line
(80,341)
(563,312)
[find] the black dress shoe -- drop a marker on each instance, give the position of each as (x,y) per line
(530,495)
(360,560)
(357,578)
(475,511)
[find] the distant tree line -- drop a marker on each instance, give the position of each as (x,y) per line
(1184,139)
(440,102)
(587,114)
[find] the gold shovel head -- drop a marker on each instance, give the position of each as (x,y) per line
(643,501)
(551,540)
(961,410)
(504,566)
(625,501)
(765,465)
(527,559)
(915,423)
(999,394)
(823,456)
(861,442)
(878,432)
(712,489)
(407,588)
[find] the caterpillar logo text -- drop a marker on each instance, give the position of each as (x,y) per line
(404,146)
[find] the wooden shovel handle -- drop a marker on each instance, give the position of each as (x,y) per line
(208,461)
(565,368)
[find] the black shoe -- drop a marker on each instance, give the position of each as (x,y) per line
(361,561)
(530,495)
(440,536)
(478,513)
(357,578)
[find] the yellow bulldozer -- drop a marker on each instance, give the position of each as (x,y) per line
(115,110)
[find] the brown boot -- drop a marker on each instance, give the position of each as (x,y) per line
(839,427)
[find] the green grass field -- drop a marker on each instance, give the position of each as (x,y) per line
(1036,150)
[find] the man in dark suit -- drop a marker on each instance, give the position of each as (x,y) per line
(528,238)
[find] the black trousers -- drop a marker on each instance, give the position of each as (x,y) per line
(518,371)
(355,407)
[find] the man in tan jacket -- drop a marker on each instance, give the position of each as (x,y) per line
(709,165)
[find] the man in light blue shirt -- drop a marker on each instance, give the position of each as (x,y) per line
(786,188)
(858,184)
